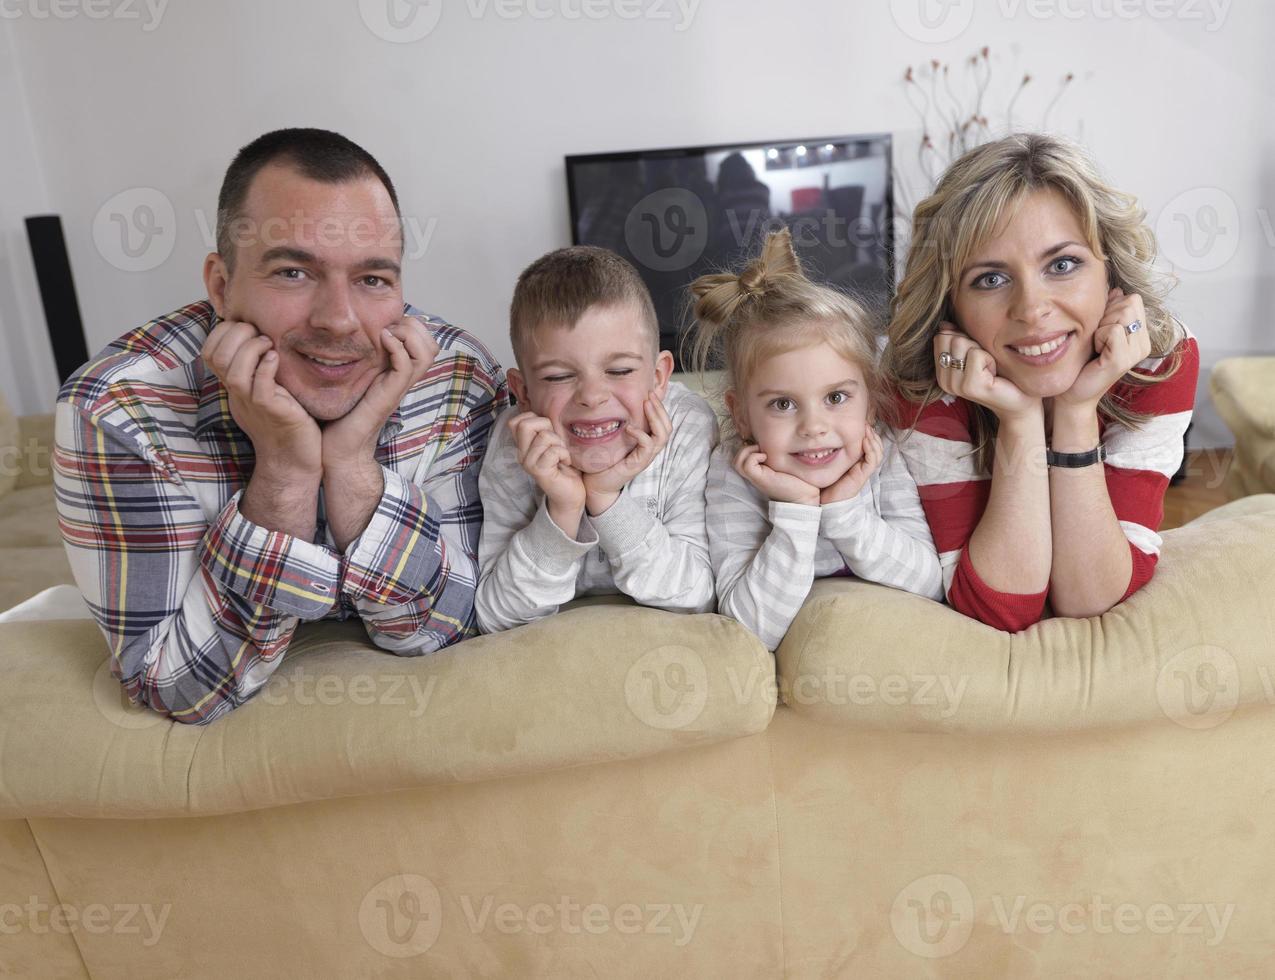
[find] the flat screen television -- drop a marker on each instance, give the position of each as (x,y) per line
(677,214)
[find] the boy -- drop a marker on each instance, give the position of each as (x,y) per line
(594,482)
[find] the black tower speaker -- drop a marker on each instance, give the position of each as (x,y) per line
(57,293)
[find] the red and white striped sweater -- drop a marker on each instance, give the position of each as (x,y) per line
(1139,463)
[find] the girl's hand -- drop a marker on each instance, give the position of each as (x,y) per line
(750,463)
(977,381)
(855,478)
(1116,351)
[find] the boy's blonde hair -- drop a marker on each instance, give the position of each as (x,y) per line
(771,308)
(559,288)
(974,197)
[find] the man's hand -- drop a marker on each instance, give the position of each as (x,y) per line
(282,494)
(978,381)
(353,482)
(750,463)
(545,458)
(1116,351)
(351,440)
(284,436)
(603,489)
(855,478)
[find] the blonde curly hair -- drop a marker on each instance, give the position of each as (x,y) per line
(971,201)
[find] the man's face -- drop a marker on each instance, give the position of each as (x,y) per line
(317,270)
(591,380)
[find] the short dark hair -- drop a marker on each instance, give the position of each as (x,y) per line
(560,287)
(318,154)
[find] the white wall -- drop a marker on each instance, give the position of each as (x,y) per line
(27,375)
(473,121)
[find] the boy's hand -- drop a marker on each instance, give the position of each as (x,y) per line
(750,463)
(856,478)
(603,489)
(546,459)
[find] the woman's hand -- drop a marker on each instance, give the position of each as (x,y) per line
(977,381)
(750,463)
(1116,351)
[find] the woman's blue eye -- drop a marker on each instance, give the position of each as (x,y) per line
(1070,261)
(984,281)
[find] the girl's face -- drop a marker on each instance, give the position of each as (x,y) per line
(1033,295)
(807,410)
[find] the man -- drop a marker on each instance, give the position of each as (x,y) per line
(300,446)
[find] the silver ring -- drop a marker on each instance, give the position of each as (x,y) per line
(1133,328)
(948,361)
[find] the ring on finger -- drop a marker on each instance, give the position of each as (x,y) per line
(948,361)
(1133,327)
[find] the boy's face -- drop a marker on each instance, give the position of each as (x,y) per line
(590,382)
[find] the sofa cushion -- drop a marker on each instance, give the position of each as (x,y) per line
(1192,643)
(342,718)
(29,519)
(27,571)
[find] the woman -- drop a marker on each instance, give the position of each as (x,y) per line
(1044,388)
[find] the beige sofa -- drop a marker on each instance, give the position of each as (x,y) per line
(31,554)
(1243,390)
(613,792)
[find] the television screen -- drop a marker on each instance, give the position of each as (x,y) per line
(677,214)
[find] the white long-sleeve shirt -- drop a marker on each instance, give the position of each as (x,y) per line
(650,544)
(768,553)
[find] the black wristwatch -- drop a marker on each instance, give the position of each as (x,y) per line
(1073,461)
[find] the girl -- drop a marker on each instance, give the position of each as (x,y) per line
(805,486)
(1046,386)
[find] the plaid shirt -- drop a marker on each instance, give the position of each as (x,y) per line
(197,603)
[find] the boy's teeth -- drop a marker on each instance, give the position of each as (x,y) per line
(1038,349)
(821,454)
(593,431)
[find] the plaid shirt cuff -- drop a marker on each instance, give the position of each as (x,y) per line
(269,568)
(389,562)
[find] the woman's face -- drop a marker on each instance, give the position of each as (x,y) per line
(1033,295)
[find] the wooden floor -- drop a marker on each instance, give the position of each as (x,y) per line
(1201,491)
